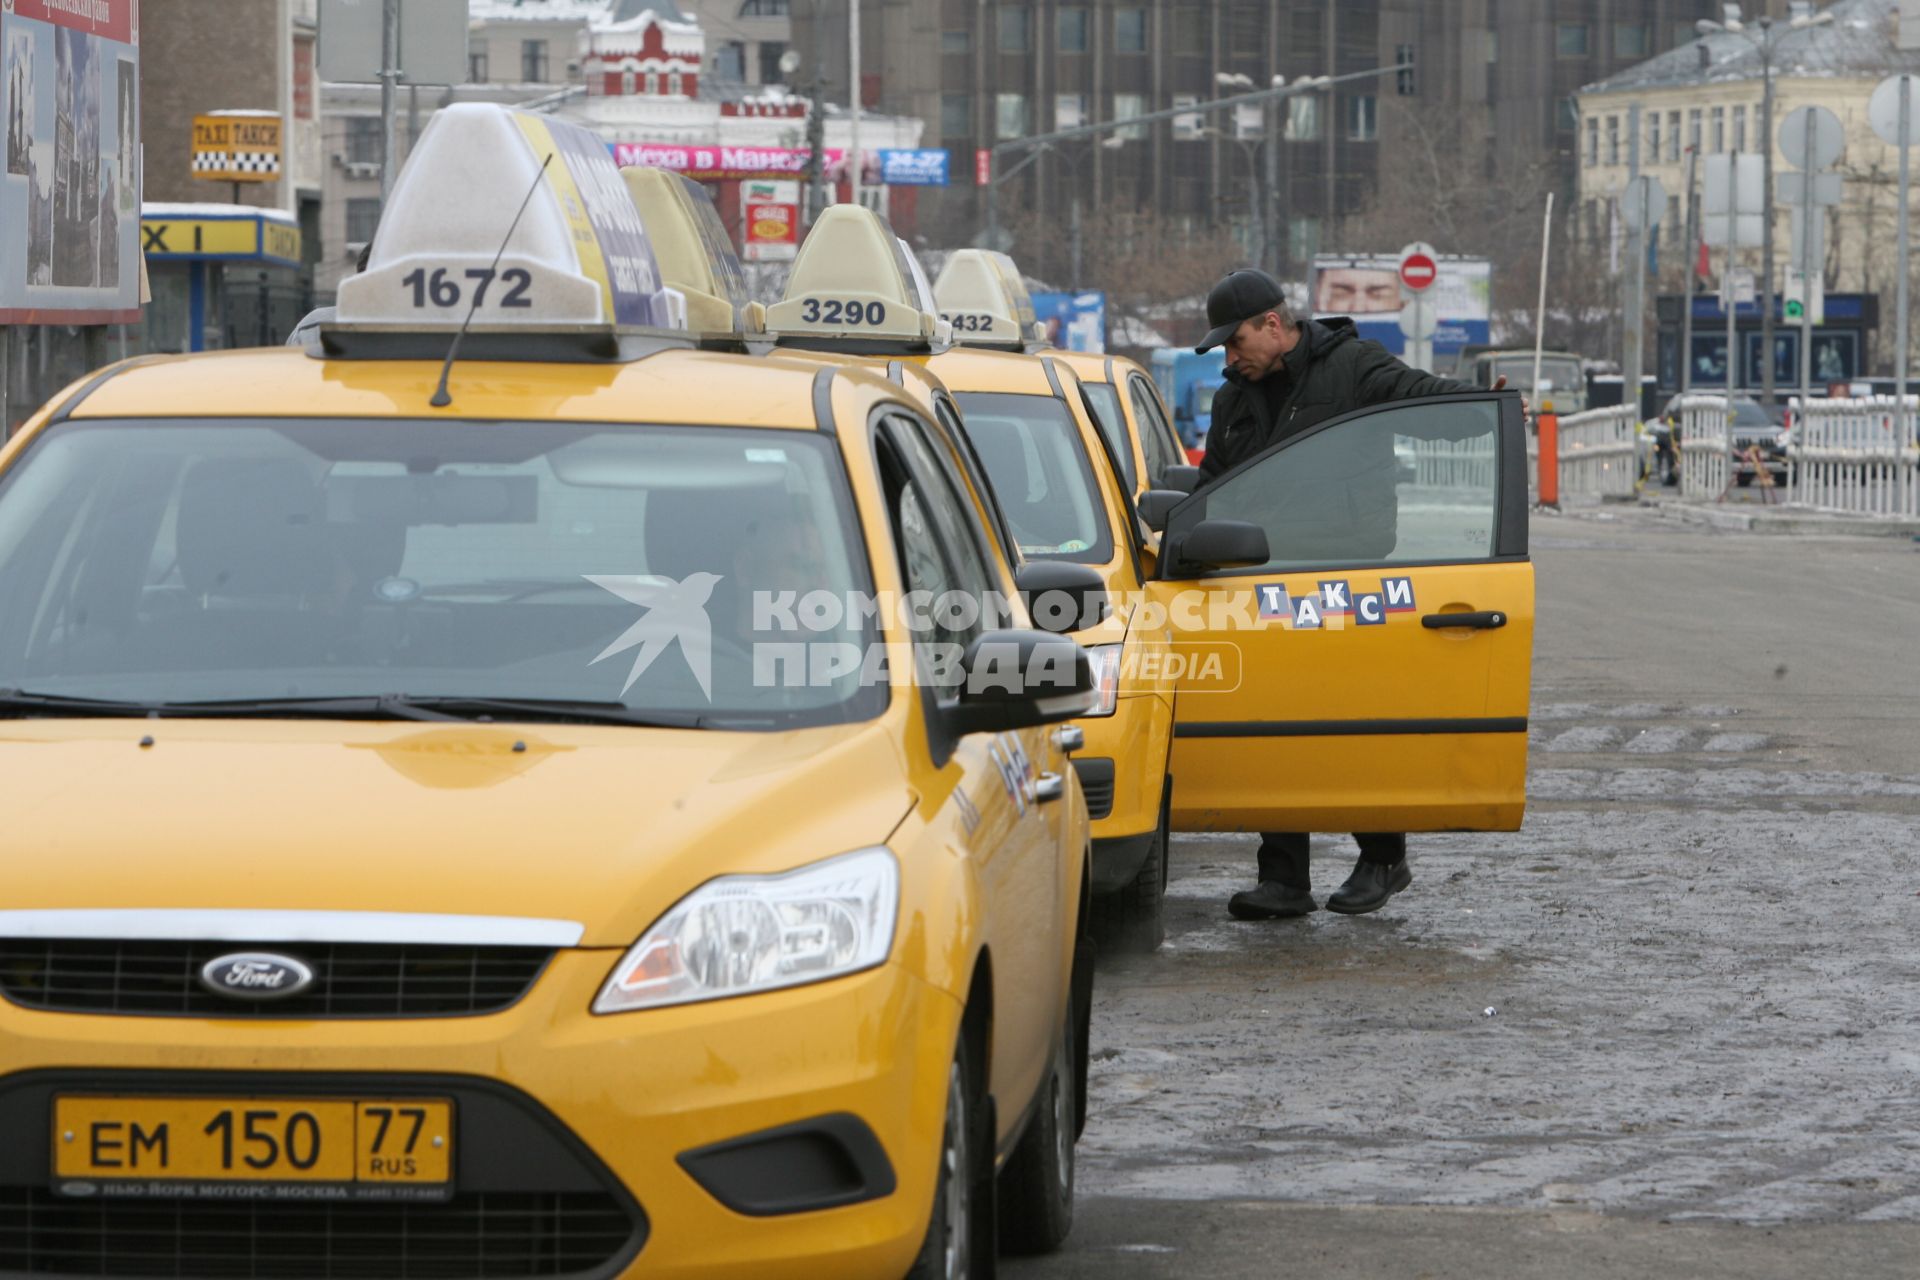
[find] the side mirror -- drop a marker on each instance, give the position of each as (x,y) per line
(1225,544)
(1182,479)
(1062,596)
(1155,505)
(1018,679)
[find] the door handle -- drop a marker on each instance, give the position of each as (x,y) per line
(1049,786)
(1484,620)
(1069,738)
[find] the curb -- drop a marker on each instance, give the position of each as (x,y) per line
(1784,522)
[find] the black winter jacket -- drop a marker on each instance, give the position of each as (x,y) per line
(1331,371)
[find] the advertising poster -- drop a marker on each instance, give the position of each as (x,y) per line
(1074,321)
(70,179)
(1366,287)
(770,222)
(733,164)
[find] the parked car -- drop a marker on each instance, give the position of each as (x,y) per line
(1754,427)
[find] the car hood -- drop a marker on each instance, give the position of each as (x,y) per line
(603,826)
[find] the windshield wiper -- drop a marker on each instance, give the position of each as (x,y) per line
(442,707)
(21,702)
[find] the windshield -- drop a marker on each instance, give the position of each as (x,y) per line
(1561,374)
(1748,414)
(1104,400)
(185,561)
(1037,464)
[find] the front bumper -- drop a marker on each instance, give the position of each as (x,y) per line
(1136,738)
(550,1097)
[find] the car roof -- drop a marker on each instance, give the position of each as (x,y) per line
(678,385)
(1094,366)
(966,369)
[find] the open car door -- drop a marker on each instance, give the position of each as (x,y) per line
(1372,674)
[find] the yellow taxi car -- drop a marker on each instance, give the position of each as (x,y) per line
(1128,408)
(1062,484)
(1351,640)
(433,853)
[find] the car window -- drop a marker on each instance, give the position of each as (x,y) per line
(1403,484)
(1104,403)
(929,567)
(176,560)
(950,512)
(1037,462)
(1155,435)
(1748,414)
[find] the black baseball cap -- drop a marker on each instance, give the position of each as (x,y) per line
(1240,295)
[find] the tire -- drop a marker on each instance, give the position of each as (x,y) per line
(1035,1189)
(1133,919)
(956,1248)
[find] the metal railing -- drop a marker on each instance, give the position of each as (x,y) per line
(1854,455)
(1598,452)
(1705,431)
(1466,464)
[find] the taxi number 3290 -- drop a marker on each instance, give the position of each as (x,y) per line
(834,311)
(441,289)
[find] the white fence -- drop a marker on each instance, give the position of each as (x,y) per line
(1598,454)
(1706,445)
(1466,464)
(1854,456)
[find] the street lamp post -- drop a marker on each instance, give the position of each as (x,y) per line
(1072,160)
(1265,184)
(1765,44)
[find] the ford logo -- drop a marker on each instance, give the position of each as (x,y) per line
(255,975)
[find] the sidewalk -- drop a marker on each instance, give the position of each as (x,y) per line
(1747,518)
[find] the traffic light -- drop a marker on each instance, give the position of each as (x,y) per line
(1804,299)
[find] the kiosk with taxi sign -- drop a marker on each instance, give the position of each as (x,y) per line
(573,814)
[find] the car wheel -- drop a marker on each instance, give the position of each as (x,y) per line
(1133,919)
(1036,1186)
(952,1248)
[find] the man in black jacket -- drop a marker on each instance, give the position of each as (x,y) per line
(1284,376)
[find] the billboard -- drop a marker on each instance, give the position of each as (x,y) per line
(720,163)
(912,168)
(70,177)
(1366,287)
(1074,321)
(770,220)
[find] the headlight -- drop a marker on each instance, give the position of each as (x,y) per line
(1105,661)
(743,934)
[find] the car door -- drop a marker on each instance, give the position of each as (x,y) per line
(1373,673)
(1010,784)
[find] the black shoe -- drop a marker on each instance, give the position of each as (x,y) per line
(1369,887)
(1270,900)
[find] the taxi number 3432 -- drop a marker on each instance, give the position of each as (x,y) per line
(440,289)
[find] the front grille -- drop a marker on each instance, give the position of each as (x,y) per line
(477,1234)
(351,979)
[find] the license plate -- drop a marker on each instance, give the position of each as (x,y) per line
(293,1148)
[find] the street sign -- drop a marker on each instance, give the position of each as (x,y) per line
(1745,287)
(1816,147)
(433,41)
(236,146)
(1418,270)
(1809,251)
(1739,180)
(1805,298)
(1646,197)
(1883,109)
(1419,323)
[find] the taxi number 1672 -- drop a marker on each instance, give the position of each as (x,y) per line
(441,290)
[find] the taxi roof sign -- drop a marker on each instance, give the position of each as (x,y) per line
(695,253)
(855,286)
(578,258)
(980,293)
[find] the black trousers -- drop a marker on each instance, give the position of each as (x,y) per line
(1283,854)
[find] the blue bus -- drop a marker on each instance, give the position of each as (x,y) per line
(1187,383)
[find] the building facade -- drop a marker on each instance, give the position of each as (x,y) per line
(1706,99)
(1501,72)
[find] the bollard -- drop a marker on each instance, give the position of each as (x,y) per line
(1548,425)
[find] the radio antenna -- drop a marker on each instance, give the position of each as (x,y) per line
(441,399)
